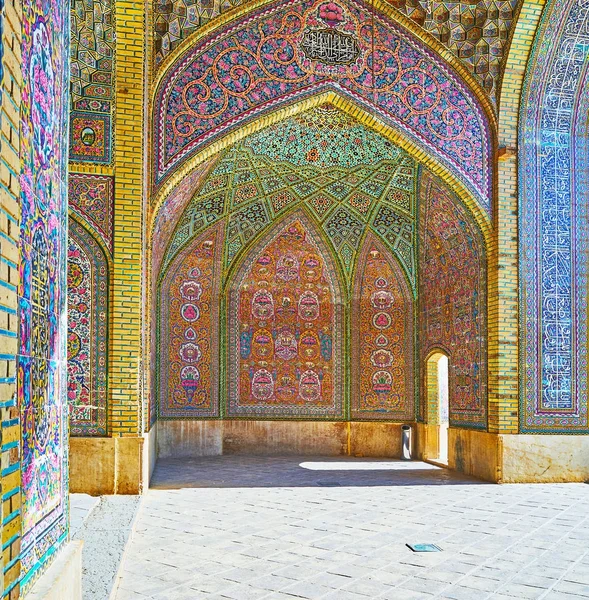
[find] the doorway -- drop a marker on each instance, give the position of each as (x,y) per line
(443,408)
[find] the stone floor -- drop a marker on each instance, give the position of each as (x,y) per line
(337,529)
(104,524)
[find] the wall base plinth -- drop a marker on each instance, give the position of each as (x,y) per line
(323,438)
(519,458)
(427,441)
(545,458)
(101,466)
(63,579)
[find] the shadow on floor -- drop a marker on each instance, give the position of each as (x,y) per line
(260,471)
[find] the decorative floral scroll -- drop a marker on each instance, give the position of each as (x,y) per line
(452,295)
(259,63)
(87,333)
(285,348)
(189,312)
(382,333)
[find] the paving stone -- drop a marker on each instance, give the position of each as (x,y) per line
(244,528)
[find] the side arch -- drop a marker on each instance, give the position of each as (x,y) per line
(285,327)
(235,73)
(88,332)
(383,338)
(188,325)
(453,292)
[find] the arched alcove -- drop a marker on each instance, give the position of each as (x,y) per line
(285,325)
(88,325)
(383,337)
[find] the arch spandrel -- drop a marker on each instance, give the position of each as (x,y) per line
(415,91)
(285,321)
(383,339)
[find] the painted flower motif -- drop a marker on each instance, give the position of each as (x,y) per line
(331,13)
(43,94)
(190,352)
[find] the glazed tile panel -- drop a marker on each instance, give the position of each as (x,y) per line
(382,330)
(92,80)
(189,316)
(478,33)
(554,234)
(87,338)
(41,366)
(91,197)
(285,324)
(271,58)
(349,177)
(452,296)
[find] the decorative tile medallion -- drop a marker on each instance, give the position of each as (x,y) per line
(90,137)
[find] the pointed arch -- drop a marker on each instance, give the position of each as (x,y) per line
(88,329)
(383,337)
(285,322)
(232,76)
(452,300)
(553,224)
(188,341)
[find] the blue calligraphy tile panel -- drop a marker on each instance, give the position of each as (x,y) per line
(553,223)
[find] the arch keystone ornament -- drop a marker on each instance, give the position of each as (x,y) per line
(281,53)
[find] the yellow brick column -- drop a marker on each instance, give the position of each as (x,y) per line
(127,281)
(10,439)
(503,280)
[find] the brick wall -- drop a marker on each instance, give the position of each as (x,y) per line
(503,281)
(126,340)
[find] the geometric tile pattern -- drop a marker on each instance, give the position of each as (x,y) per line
(175,20)
(92,80)
(202,97)
(553,226)
(268,174)
(478,32)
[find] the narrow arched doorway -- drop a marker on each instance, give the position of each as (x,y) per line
(438,401)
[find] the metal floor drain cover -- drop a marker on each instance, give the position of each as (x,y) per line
(329,483)
(424,547)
